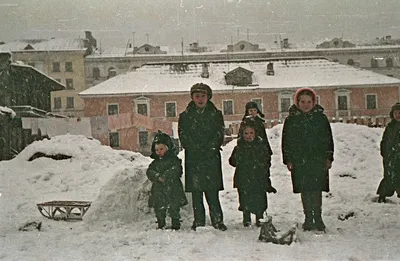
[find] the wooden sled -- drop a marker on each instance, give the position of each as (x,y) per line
(64,210)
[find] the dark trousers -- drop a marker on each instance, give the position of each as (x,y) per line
(214,206)
(161,213)
(312,202)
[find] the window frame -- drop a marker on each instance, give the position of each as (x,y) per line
(68,67)
(376,101)
(232,107)
(111,139)
(142,100)
(166,109)
(69,84)
(108,108)
(68,105)
(56,67)
(143,132)
(56,101)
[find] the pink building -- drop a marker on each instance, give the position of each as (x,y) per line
(161,91)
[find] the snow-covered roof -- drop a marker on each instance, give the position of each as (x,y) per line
(59,44)
(289,73)
(5,110)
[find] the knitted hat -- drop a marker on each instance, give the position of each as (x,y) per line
(253,105)
(395,107)
(307,91)
(161,138)
(248,121)
(201,87)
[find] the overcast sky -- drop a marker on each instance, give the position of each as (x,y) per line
(166,22)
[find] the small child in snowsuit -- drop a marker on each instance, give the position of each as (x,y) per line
(252,175)
(307,152)
(390,152)
(252,111)
(165,173)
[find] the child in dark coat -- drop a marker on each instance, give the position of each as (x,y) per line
(253,112)
(165,173)
(252,161)
(390,152)
(307,148)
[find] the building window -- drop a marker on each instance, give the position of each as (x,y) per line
(258,102)
(68,66)
(143,138)
(96,73)
(57,103)
(114,139)
(112,72)
(142,105)
(227,107)
(56,67)
(389,62)
(285,104)
(112,109)
(142,109)
(374,63)
(350,62)
(342,102)
(170,109)
(70,84)
(371,101)
(70,102)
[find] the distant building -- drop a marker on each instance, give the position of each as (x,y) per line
(196,48)
(336,43)
(160,92)
(243,46)
(61,59)
(147,49)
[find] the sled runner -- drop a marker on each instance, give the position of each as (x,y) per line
(64,210)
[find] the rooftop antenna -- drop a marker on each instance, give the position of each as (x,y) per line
(182,47)
(133,40)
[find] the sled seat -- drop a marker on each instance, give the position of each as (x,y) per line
(64,210)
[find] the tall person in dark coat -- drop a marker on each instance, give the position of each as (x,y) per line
(390,152)
(253,112)
(252,175)
(307,148)
(201,133)
(165,172)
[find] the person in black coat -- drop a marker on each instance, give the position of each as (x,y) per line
(252,111)
(201,133)
(390,152)
(307,148)
(252,175)
(165,172)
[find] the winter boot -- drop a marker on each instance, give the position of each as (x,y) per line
(319,224)
(220,226)
(246,219)
(161,223)
(258,217)
(176,224)
(198,224)
(382,199)
(309,221)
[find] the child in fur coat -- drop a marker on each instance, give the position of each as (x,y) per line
(165,173)
(252,161)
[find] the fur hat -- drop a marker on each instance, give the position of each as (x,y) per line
(201,87)
(253,105)
(395,107)
(161,138)
(307,91)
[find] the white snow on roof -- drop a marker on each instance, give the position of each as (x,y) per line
(5,110)
(289,73)
(59,44)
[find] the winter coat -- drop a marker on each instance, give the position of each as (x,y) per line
(252,161)
(201,135)
(390,152)
(260,130)
(307,143)
(169,193)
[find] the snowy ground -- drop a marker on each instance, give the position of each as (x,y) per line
(119,226)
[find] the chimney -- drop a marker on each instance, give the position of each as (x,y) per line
(205,73)
(270,69)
